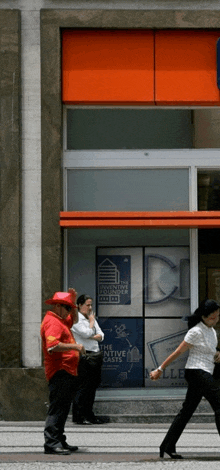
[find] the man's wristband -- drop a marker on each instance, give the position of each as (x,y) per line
(160,368)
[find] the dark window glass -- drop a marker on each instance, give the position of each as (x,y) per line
(93,129)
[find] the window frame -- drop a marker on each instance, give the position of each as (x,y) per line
(191,159)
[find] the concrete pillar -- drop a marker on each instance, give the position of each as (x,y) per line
(31,188)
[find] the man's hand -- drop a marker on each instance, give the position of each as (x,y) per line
(74,311)
(73,294)
(80,348)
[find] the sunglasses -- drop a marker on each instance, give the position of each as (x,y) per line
(67,307)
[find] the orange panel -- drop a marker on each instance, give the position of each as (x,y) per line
(205,215)
(179,219)
(107,66)
(186,67)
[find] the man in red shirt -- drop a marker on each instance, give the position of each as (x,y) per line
(61,358)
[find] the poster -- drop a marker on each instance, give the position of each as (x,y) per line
(161,339)
(119,276)
(122,352)
(114,279)
(143,297)
(166,281)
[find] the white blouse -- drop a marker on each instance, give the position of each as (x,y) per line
(82,333)
(204,342)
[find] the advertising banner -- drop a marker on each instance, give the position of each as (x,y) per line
(162,338)
(123,352)
(119,282)
(166,281)
(143,298)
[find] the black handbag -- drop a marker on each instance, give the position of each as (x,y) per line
(93,359)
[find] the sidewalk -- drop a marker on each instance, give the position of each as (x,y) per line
(22,442)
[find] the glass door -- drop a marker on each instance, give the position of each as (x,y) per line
(143,281)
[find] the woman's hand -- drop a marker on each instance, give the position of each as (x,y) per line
(155,374)
(183,347)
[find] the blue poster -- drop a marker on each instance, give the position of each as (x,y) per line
(114,280)
(123,352)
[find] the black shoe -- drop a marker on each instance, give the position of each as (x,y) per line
(104,419)
(78,419)
(81,421)
(57,450)
(172,455)
(70,448)
(94,420)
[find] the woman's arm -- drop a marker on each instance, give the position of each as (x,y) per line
(97,337)
(183,347)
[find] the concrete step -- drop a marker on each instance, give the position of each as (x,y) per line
(159,418)
(148,409)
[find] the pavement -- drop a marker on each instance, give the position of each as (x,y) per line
(121,446)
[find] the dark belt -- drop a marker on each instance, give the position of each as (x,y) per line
(91,352)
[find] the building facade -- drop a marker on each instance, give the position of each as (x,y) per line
(109,152)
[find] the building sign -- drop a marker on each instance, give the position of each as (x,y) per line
(122,352)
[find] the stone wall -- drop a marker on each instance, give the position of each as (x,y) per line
(23,394)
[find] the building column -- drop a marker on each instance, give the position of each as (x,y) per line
(10,190)
(31,188)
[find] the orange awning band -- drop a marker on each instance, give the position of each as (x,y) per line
(178,219)
(134,67)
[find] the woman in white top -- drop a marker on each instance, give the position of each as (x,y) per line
(201,341)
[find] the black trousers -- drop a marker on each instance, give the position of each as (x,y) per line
(89,378)
(200,384)
(61,387)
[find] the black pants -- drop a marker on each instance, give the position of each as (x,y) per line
(61,387)
(200,384)
(89,378)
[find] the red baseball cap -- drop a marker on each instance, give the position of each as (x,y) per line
(61,298)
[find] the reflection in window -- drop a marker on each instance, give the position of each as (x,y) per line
(209,191)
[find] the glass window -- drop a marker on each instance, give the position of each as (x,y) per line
(208,239)
(128,190)
(82,244)
(209,190)
(89,129)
